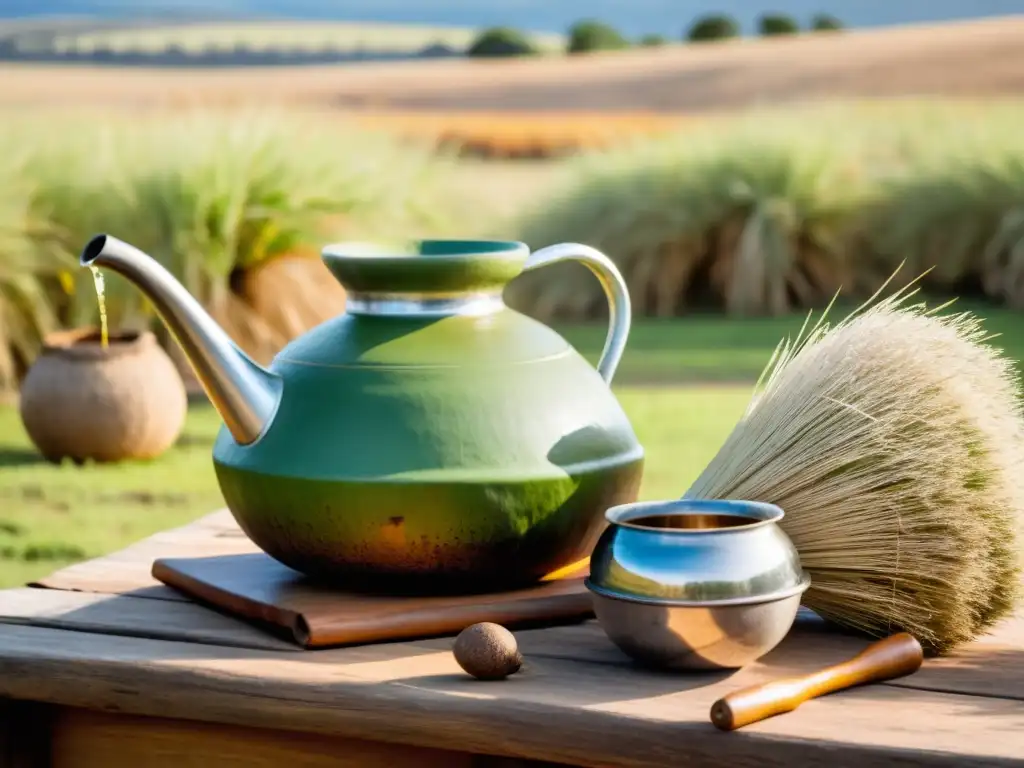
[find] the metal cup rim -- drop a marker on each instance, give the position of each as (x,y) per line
(760,513)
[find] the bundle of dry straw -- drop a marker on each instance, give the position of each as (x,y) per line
(894,442)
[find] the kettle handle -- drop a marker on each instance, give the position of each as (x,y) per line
(615,290)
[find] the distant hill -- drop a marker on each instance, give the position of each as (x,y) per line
(976,60)
(634,17)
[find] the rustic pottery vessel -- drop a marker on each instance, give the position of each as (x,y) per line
(696,583)
(82,401)
(428,435)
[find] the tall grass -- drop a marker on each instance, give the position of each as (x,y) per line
(29,263)
(750,218)
(217,197)
(778,210)
(959,211)
(756,214)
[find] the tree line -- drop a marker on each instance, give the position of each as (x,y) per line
(592,35)
(239,55)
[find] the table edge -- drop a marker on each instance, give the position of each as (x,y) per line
(392,712)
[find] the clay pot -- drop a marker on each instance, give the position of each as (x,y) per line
(83,401)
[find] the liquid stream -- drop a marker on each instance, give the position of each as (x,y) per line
(97,279)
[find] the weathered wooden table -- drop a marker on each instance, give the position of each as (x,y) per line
(127,672)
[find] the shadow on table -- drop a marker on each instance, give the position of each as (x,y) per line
(175,628)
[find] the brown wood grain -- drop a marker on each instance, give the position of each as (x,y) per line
(88,739)
(132,617)
(256,587)
(556,710)
(578,700)
(991,667)
(129,571)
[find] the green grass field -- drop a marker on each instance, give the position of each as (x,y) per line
(673,383)
(715,349)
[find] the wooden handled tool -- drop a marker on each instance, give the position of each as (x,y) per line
(893,657)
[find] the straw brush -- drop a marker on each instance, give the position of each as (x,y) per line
(894,442)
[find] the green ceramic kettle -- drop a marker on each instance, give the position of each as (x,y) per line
(429,435)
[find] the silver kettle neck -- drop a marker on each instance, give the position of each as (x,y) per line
(245,395)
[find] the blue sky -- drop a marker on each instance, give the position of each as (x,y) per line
(668,17)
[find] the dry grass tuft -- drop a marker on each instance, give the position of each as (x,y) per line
(779,209)
(29,266)
(747,215)
(958,209)
(894,442)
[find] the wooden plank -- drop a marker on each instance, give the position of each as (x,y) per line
(86,739)
(132,617)
(189,623)
(257,587)
(556,710)
(128,571)
(25,734)
(992,667)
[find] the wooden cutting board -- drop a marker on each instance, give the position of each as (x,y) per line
(258,589)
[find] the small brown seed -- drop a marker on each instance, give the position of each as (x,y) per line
(487,651)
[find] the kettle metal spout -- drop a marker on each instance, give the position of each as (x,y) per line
(244,393)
